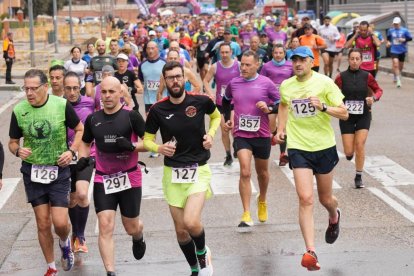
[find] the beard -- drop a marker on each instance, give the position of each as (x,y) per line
(175,94)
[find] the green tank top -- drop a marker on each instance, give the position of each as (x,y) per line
(44,130)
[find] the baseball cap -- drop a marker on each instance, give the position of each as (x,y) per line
(302,51)
(107,68)
(227,31)
(160,29)
(269,18)
(122,56)
(126,32)
(263,34)
(152,33)
(305,18)
(277,23)
(396,20)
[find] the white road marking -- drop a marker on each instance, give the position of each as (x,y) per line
(289,174)
(401,196)
(9,186)
(387,172)
(14,100)
(392,203)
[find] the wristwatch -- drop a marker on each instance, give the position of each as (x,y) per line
(324,107)
(74,157)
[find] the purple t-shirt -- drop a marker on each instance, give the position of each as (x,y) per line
(245,38)
(276,73)
(249,121)
(276,37)
(83,108)
(223,76)
(133,62)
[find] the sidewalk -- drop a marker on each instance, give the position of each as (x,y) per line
(408,71)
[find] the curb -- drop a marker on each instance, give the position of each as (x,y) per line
(403,73)
(10,88)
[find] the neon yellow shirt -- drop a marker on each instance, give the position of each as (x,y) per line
(307,128)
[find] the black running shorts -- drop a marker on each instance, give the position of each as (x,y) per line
(320,162)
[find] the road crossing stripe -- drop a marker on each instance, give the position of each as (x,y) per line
(401,196)
(9,186)
(394,204)
(289,174)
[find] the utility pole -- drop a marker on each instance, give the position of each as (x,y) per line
(30,8)
(70,22)
(55,25)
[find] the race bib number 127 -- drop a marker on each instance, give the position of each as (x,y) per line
(184,175)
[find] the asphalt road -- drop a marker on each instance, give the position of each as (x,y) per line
(377,224)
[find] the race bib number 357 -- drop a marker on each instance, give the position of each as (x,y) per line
(303,108)
(249,123)
(44,174)
(184,175)
(115,183)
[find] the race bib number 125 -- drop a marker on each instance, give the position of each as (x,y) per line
(303,108)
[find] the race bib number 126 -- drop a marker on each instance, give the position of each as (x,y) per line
(44,174)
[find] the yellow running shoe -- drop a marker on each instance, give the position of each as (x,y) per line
(261,209)
(246,223)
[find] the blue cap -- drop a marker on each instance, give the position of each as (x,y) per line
(302,51)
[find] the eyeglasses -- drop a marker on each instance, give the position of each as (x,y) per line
(172,78)
(71,88)
(33,89)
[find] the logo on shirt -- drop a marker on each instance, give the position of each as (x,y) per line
(190,111)
(40,129)
(110,138)
(25,114)
(169,116)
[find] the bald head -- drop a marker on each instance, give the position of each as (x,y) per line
(111,94)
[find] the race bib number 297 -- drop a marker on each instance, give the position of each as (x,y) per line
(115,183)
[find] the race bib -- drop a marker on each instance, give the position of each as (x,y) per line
(396,41)
(153,85)
(44,174)
(246,41)
(303,108)
(223,90)
(74,160)
(98,75)
(278,41)
(115,183)
(249,123)
(184,175)
(366,57)
(355,107)
(203,46)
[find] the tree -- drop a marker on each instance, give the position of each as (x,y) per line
(43,6)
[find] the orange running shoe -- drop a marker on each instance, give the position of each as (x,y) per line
(310,261)
(79,246)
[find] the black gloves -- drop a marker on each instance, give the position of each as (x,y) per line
(124,144)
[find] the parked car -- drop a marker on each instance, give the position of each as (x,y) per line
(90,20)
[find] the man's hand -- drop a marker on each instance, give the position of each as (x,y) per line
(228,125)
(24,153)
(167,149)
(65,159)
(208,141)
(280,137)
(316,102)
(263,107)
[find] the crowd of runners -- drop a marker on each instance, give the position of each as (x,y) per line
(255,78)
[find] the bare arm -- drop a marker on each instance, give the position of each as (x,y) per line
(161,88)
(193,80)
(206,82)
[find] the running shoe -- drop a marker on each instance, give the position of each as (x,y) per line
(261,209)
(51,272)
(283,159)
(68,258)
(398,83)
(110,273)
(358,182)
(246,223)
(153,155)
(138,248)
(228,161)
(310,261)
(79,245)
(207,270)
(395,79)
(332,232)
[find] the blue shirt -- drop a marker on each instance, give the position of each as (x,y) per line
(393,35)
(149,74)
(235,47)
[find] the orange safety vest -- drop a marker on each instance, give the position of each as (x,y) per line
(9,47)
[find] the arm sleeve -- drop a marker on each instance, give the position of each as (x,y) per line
(1,160)
(87,131)
(226,102)
(15,132)
(149,142)
(72,119)
(373,84)
(137,123)
(215,119)
(338,81)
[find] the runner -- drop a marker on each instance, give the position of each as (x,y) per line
(118,179)
(41,121)
(330,34)
(223,72)
(77,65)
(366,41)
(397,38)
(187,176)
(314,42)
(200,42)
(254,46)
(56,75)
(356,85)
(311,99)
(79,202)
(278,70)
(250,94)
